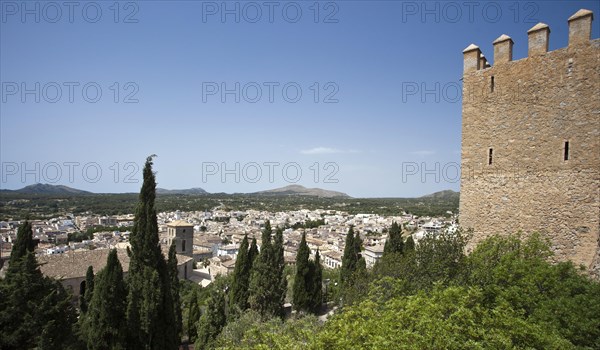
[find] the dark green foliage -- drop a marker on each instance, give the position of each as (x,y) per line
(409,245)
(439,259)
(86,297)
(193,317)
(278,269)
(252,252)
(23,244)
(394,243)
(309,224)
(316,283)
(509,269)
(251,331)
(446,318)
(215,317)
(307,296)
(47,205)
(35,311)
(351,256)
(266,296)
(241,277)
(151,317)
(174,281)
(302,279)
(104,325)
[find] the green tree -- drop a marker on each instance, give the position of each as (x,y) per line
(251,331)
(409,246)
(253,252)
(447,318)
(151,318)
(302,279)
(278,269)
(265,296)
(316,283)
(351,257)
(193,317)
(23,244)
(174,283)
(394,243)
(557,296)
(105,326)
(35,311)
(241,277)
(214,319)
(86,296)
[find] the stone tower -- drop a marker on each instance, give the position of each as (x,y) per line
(182,233)
(531,142)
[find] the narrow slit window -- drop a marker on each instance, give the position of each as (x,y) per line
(490,156)
(492,83)
(566,154)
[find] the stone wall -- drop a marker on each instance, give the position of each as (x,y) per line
(535,105)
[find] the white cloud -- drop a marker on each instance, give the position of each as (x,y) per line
(321,150)
(423,153)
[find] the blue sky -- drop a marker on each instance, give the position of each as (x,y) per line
(167,73)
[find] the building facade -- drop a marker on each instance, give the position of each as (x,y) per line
(182,233)
(531,142)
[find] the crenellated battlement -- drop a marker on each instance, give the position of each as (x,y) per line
(531,140)
(580,31)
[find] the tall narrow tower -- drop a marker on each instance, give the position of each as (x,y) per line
(182,233)
(531,142)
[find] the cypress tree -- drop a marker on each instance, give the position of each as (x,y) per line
(151,319)
(105,324)
(279,267)
(349,259)
(253,252)
(193,317)
(35,311)
(410,244)
(213,320)
(174,279)
(302,282)
(241,277)
(86,297)
(394,243)
(23,244)
(316,284)
(265,297)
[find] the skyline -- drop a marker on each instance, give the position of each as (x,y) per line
(368,130)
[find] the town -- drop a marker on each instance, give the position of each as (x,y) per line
(210,245)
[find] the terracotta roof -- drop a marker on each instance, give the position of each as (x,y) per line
(179,223)
(74,264)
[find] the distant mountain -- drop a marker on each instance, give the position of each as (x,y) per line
(48,189)
(297,190)
(194,191)
(447,194)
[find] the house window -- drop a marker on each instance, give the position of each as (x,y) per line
(490,156)
(183,245)
(492,83)
(566,152)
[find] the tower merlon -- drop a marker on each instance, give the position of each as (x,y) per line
(580,27)
(471,57)
(538,37)
(503,49)
(483,63)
